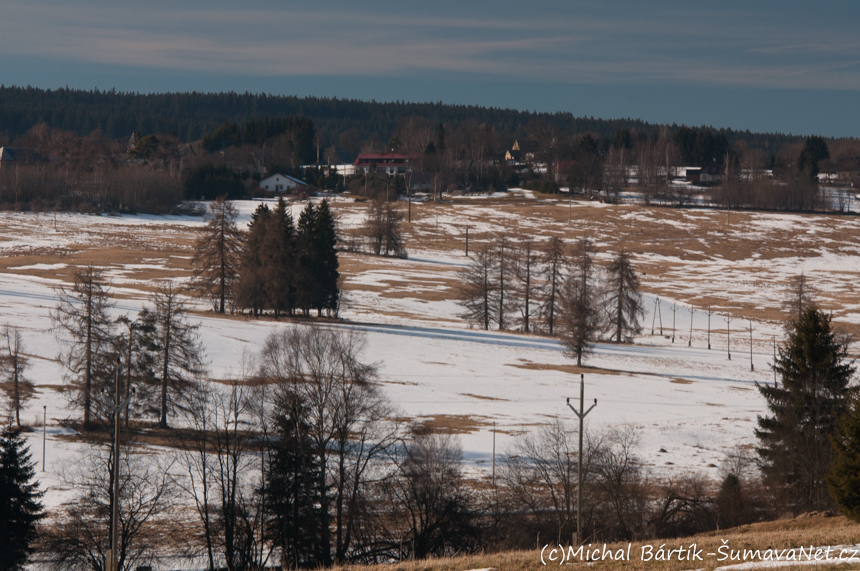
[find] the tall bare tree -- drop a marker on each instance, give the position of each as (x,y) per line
(580,315)
(80,539)
(553,267)
(180,354)
(623,302)
(525,282)
(348,420)
(13,362)
(216,259)
(83,314)
(800,296)
(477,288)
(383,227)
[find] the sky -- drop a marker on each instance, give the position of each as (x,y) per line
(762,65)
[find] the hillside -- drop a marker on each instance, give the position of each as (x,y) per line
(192,115)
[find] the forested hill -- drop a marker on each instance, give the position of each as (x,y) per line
(191,115)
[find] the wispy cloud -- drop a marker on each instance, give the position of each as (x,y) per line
(562,45)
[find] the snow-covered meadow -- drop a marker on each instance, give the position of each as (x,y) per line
(690,405)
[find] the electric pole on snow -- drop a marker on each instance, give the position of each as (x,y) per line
(113,556)
(581,414)
(728,320)
(752,367)
(692,311)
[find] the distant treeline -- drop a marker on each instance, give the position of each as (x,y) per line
(192,115)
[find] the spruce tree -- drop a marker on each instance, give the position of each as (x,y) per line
(251,284)
(326,262)
(814,393)
(843,481)
(20,509)
(307,284)
(291,488)
(279,260)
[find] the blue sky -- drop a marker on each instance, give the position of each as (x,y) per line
(760,65)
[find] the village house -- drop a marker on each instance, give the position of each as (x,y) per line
(281,183)
(388,163)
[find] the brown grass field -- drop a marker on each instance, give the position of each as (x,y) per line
(804,531)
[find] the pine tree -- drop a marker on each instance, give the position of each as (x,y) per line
(843,480)
(216,261)
(20,509)
(623,300)
(794,440)
(326,262)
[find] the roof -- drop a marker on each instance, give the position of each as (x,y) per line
(382,158)
(6,154)
(286,176)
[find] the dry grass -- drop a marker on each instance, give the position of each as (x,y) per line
(816,530)
(450,424)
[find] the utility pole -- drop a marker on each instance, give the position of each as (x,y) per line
(654,315)
(660,315)
(581,414)
(494,455)
(692,310)
(728,320)
(709,327)
(113,558)
(674,310)
(44,432)
(467,240)
(774,360)
(752,368)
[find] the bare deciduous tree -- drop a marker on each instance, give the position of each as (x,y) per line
(525,283)
(83,314)
(383,229)
(80,538)
(348,420)
(13,362)
(180,354)
(477,288)
(553,267)
(623,302)
(216,259)
(580,316)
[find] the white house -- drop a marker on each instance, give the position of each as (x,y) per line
(281,183)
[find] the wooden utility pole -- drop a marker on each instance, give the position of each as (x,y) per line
(467,240)
(494,455)
(44,432)
(581,414)
(692,310)
(752,367)
(709,327)
(674,310)
(728,320)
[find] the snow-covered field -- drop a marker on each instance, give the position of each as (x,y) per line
(689,404)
